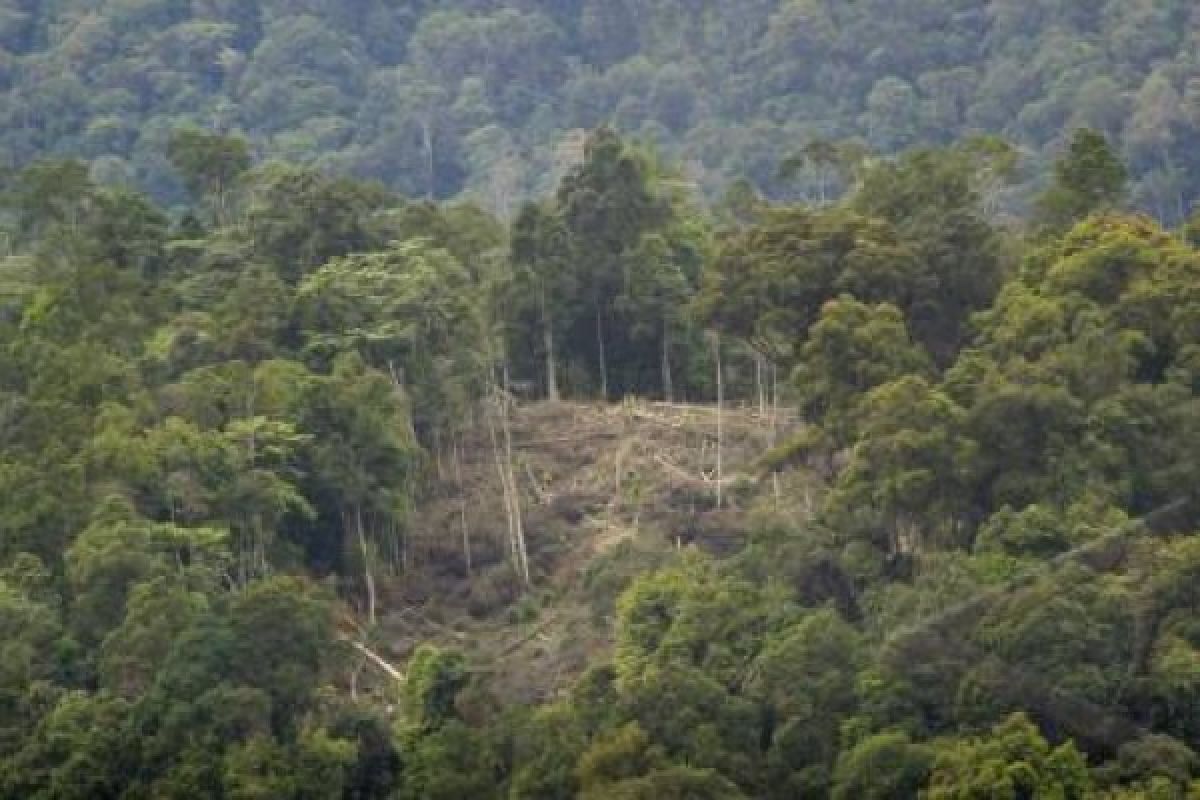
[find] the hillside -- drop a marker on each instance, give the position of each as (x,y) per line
(609,493)
(489,99)
(315,492)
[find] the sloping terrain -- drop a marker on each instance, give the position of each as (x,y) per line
(606,492)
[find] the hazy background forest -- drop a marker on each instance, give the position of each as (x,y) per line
(487,99)
(604,400)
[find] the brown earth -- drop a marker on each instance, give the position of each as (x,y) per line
(606,493)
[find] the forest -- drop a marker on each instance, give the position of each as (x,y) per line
(577,399)
(964,573)
(487,100)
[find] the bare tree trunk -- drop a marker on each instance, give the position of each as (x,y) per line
(503,476)
(395,556)
(404,549)
(720,412)
(260,546)
(437,452)
(603,358)
(508,485)
(243,572)
(522,553)
(774,402)
(427,141)
(760,385)
(378,661)
(354,680)
(548,343)
(668,384)
(368,578)
(462,509)
(219,203)
(1178,194)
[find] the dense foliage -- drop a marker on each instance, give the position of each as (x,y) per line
(214,425)
(488,98)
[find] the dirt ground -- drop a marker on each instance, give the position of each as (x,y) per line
(606,492)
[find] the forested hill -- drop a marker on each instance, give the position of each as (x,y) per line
(487,98)
(880,516)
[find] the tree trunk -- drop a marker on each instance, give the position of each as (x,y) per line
(512,502)
(720,413)
(462,509)
(548,344)
(427,140)
(368,578)
(395,549)
(1169,163)
(522,553)
(437,452)
(774,402)
(219,203)
(503,476)
(759,386)
(668,384)
(260,546)
(377,660)
(603,358)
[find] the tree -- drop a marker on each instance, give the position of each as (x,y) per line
(804,680)
(655,301)
(128,230)
(210,165)
(912,463)
(452,762)
(298,219)
(435,677)
(315,767)
(891,115)
(366,455)
(830,165)
(607,204)
(30,628)
(282,632)
(886,766)
(1088,178)
(1012,761)
(50,194)
(548,744)
(119,550)
(672,783)
(620,755)
(83,748)
(411,311)
(1044,531)
(933,198)
(1016,469)
(540,259)
(851,349)
(689,616)
(766,285)
(134,652)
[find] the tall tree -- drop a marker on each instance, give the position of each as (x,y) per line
(607,204)
(1088,178)
(210,165)
(540,256)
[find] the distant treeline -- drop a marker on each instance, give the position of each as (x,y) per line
(487,100)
